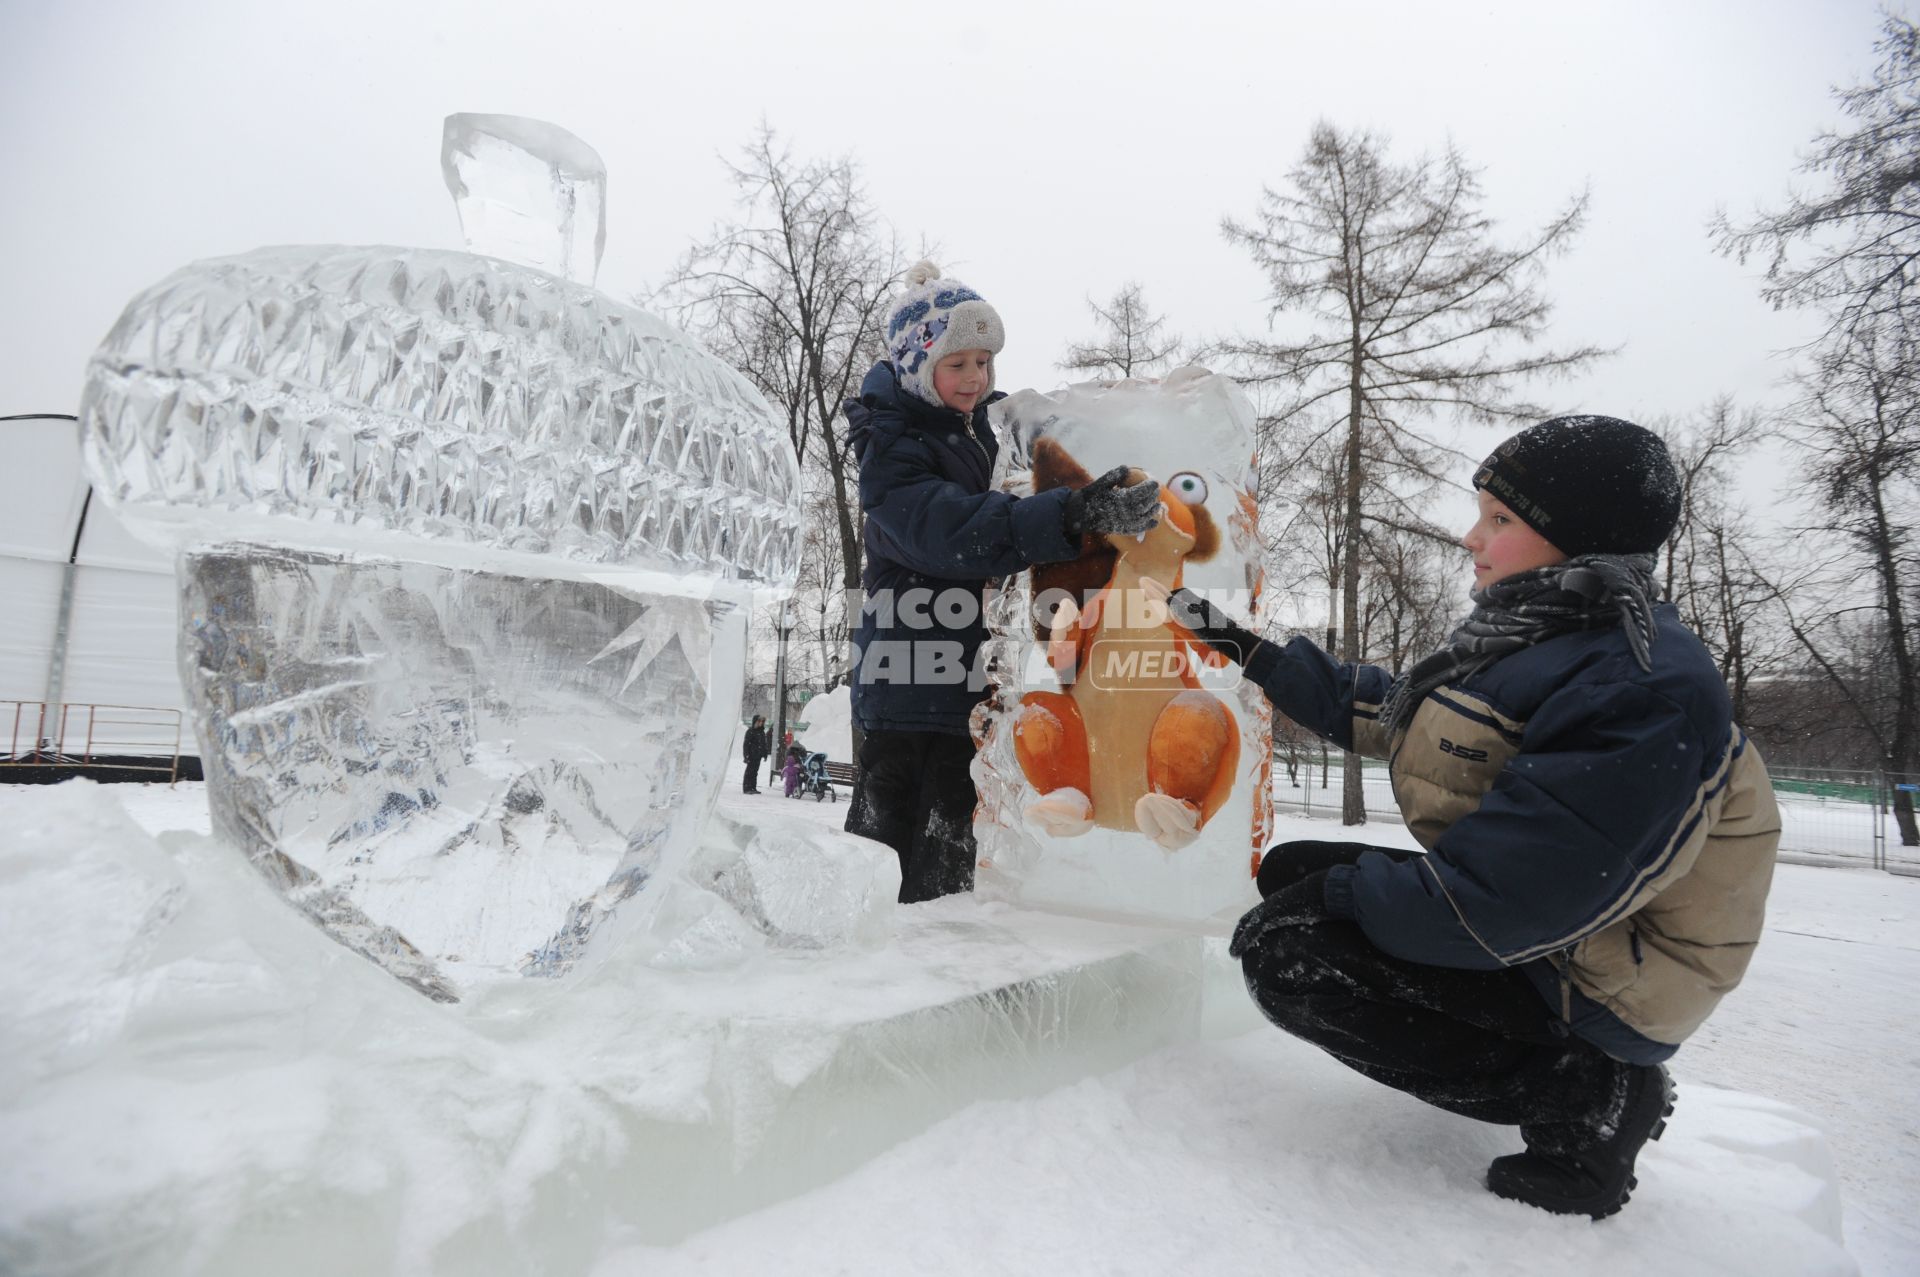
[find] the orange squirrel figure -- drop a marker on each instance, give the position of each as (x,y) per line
(1134,743)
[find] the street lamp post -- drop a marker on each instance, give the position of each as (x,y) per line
(783,623)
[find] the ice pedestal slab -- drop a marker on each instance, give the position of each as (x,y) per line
(815,1066)
(229,1094)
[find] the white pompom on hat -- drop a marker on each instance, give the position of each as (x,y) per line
(935,317)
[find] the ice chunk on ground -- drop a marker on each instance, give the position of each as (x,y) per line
(70,975)
(812,889)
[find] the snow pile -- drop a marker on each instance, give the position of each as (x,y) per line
(829,719)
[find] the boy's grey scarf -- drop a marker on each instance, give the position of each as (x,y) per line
(1585,593)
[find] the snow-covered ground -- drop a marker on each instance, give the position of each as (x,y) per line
(1242,1149)
(1821,1025)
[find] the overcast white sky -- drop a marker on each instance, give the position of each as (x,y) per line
(1052,150)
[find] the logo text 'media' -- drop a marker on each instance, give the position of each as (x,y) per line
(1123,665)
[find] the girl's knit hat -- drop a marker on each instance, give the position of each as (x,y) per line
(933,318)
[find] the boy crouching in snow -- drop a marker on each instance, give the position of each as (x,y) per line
(1600,835)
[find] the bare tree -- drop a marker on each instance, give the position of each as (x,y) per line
(820,607)
(1841,653)
(1412,310)
(791,293)
(1862,442)
(1850,249)
(1308,547)
(1132,341)
(1710,571)
(1410,592)
(1851,252)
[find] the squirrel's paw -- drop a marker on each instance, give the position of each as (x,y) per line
(1169,821)
(1063,814)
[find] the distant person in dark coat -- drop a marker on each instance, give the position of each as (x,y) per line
(1600,835)
(755,749)
(934,533)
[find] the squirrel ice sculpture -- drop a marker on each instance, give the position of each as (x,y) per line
(1134,743)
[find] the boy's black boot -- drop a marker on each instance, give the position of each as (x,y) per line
(1584,1170)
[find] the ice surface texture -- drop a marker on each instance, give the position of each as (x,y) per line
(382,398)
(1193,433)
(465,551)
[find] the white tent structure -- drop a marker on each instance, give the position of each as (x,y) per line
(89,612)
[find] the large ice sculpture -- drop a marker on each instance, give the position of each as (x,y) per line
(464,553)
(1123,768)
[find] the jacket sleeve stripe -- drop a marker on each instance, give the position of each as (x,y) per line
(1508,729)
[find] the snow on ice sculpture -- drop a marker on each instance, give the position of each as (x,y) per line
(464,548)
(1123,768)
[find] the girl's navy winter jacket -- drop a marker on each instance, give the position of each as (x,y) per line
(934,534)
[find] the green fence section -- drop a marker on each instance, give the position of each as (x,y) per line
(1847,791)
(1848,822)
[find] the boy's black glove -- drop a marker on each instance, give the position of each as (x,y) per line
(1211,626)
(1104,506)
(1294,905)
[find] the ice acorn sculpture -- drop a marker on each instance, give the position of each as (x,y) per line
(463,550)
(1124,767)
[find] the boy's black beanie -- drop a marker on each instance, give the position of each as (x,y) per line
(1589,485)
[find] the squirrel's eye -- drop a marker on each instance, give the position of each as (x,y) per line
(1189,487)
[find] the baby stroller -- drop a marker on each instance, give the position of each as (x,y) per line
(813,778)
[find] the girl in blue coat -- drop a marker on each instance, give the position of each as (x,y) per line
(934,534)
(1599,835)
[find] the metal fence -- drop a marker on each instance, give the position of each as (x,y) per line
(125,738)
(1312,791)
(1827,817)
(1845,818)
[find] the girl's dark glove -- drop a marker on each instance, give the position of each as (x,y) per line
(1211,626)
(1294,905)
(1105,506)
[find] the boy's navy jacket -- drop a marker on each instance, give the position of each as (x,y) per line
(932,524)
(1606,829)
